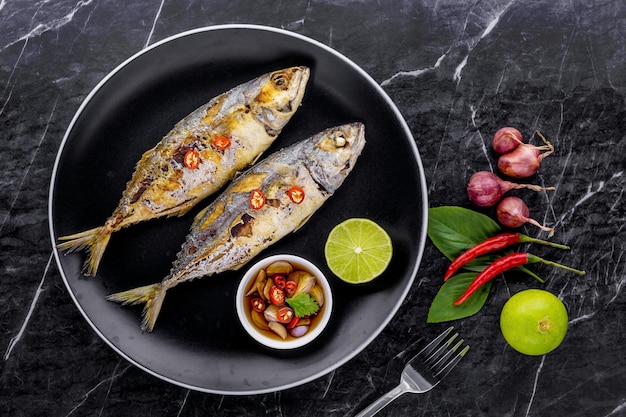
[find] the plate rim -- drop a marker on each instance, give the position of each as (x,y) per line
(315,43)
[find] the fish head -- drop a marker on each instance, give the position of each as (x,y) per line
(330,155)
(279,96)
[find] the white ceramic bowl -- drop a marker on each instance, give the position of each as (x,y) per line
(273,341)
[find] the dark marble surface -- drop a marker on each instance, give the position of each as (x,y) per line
(457,71)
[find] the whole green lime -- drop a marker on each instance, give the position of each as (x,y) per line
(534,322)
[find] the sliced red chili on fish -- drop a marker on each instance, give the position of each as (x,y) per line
(285,315)
(191,159)
(221,143)
(258,304)
(296,194)
(277,296)
(257,199)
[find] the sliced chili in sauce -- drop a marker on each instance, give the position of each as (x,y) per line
(293,323)
(285,315)
(291,287)
(258,304)
(280,281)
(277,296)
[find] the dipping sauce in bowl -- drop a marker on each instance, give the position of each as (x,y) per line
(284,301)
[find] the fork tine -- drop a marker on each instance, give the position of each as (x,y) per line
(452,363)
(435,357)
(438,354)
(444,353)
(432,346)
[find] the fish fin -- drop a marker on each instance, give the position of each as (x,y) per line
(237,175)
(94,240)
(150,295)
(256,158)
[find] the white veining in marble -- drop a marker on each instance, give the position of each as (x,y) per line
(592,190)
(617,410)
(299,23)
(109,380)
(414,73)
(154,22)
(8,85)
(534,388)
(182,405)
(15,339)
(51,25)
(33,156)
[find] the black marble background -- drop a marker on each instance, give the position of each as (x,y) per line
(457,70)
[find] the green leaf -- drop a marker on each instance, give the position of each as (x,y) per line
(453,229)
(303,305)
(442,308)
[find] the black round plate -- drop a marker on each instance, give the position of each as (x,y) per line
(198,342)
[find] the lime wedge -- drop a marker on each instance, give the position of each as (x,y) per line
(358,250)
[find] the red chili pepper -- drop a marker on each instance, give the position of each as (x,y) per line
(505,263)
(296,194)
(277,296)
(257,199)
(492,244)
(285,315)
(293,323)
(258,304)
(191,159)
(498,266)
(280,281)
(221,143)
(291,287)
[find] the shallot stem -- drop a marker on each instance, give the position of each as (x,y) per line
(547,147)
(530,186)
(542,227)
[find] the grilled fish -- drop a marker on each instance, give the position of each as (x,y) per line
(267,202)
(199,155)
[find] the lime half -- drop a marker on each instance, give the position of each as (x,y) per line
(358,250)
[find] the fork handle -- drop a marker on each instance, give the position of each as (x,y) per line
(377,405)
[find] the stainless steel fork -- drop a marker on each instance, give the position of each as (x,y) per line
(424,370)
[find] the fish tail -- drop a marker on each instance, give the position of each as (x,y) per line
(94,240)
(150,295)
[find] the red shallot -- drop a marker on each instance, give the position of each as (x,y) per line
(525,160)
(513,212)
(506,139)
(485,189)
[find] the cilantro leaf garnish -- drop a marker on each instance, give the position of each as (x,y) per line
(303,305)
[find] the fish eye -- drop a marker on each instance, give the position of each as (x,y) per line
(340,141)
(279,80)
